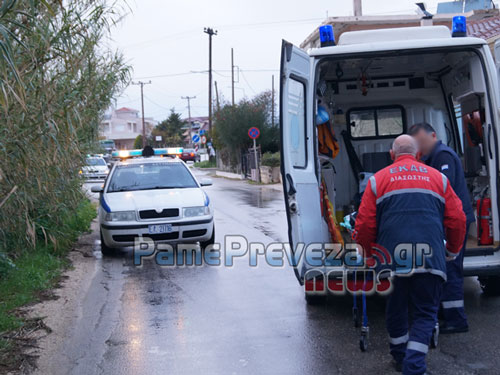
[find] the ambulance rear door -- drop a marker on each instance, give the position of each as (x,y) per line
(300,183)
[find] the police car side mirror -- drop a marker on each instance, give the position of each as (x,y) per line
(97,189)
(206,182)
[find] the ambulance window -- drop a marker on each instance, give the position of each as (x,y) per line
(363,124)
(297,125)
(390,121)
(376,122)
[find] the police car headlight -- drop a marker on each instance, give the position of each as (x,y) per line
(196,211)
(120,216)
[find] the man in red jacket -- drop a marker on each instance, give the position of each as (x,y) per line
(405,207)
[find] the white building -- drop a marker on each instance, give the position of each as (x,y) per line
(123,126)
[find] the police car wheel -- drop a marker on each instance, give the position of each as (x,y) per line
(490,285)
(211,241)
(105,250)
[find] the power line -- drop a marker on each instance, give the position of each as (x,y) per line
(156,104)
(216,71)
(194,31)
(169,75)
(271,23)
(248,84)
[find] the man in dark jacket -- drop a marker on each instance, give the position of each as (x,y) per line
(444,159)
(405,207)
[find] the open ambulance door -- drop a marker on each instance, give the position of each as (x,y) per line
(300,184)
(496,52)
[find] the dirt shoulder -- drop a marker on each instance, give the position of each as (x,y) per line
(51,320)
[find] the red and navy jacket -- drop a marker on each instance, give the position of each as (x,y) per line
(411,203)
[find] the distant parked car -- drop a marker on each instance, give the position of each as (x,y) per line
(95,168)
(190,154)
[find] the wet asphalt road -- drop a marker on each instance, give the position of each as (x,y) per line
(242,320)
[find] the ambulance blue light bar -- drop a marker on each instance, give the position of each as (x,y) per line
(170,151)
(326,36)
(459,28)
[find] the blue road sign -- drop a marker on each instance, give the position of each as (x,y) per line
(253,132)
(196,138)
(202,132)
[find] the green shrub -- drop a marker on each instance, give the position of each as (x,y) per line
(206,164)
(271,159)
(39,268)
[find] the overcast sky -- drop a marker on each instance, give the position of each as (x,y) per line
(163,41)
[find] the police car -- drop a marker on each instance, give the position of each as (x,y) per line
(95,168)
(156,198)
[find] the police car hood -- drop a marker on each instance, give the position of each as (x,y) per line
(155,199)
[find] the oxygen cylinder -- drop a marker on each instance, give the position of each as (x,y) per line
(484,225)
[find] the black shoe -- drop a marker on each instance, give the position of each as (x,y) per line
(452,329)
(398,366)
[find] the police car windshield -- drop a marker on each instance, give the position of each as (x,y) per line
(151,176)
(95,162)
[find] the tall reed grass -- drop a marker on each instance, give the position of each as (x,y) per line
(57,77)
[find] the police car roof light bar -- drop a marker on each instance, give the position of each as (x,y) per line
(170,151)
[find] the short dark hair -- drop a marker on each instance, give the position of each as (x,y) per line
(414,129)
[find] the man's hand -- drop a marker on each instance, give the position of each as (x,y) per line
(449,259)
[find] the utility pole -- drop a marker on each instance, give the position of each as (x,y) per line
(211,32)
(272,104)
(217,96)
(140,83)
(232,75)
(358,9)
(188,98)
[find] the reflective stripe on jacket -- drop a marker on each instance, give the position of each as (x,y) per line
(411,203)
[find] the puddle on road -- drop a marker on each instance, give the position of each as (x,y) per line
(259,198)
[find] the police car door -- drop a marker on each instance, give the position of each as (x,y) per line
(301,189)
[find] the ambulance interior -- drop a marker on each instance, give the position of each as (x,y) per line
(372,100)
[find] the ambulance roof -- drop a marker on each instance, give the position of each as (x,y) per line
(395,39)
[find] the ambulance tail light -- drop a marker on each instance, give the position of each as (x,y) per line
(459,27)
(326,36)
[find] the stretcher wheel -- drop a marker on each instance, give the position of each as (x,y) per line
(435,337)
(363,343)
(363,340)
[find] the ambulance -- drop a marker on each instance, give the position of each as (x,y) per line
(374,85)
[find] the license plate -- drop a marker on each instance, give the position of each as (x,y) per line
(160,228)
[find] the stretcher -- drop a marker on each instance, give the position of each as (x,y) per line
(362,319)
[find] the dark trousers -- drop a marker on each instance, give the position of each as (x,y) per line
(411,317)
(452,302)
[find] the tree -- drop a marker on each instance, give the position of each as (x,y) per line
(138,142)
(170,130)
(232,124)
